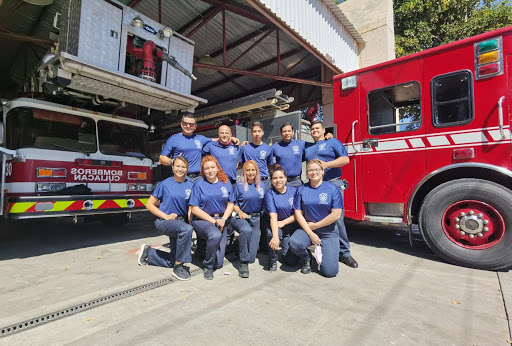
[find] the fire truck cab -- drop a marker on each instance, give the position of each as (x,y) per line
(429,140)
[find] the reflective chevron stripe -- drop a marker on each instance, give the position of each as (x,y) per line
(81,205)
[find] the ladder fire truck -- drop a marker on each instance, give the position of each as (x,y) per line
(62,160)
(429,140)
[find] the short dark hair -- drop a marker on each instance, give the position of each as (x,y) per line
(314,122)
(188,115)
(286,124)
(258,124)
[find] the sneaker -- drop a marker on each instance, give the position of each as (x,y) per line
(349,261)
(273,267)
(243,270)
(306,266)
(208,273)
(143,254)
(180,272)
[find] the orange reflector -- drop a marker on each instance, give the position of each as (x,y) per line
(43,172)
(488,57)
(142,176)
(462,154)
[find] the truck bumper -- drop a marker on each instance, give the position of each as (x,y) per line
(27,207)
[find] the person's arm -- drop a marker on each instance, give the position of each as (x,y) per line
(202,214)
(222,222)
(315,239)
(240,213)
(167,151)
(151,206)
(274,242)
(337,163)
(290,219)
(326,221)
(189,214)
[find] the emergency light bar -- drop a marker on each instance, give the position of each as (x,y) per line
(489,58)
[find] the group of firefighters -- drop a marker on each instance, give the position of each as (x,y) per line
(203,195)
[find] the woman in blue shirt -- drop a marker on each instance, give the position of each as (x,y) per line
(248,202)
(212,204)
(318,205)
(173,194)
(279,206)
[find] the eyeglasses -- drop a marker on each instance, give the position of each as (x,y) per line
(183,123)
(316,170)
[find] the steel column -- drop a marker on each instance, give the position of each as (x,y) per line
(278,53)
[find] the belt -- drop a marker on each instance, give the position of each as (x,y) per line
(293,178)
(179,217)
(232,181)
(264,178)
(254,214)
(193,175)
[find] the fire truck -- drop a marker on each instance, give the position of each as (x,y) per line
(429,140)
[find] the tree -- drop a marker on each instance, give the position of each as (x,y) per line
(423,24)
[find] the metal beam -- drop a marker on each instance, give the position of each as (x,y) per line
(240,41)
(262,75)
(250,48)
(254,68)
(281,25)
(203,23)
(133,3)
(294,65)
(196,20)
(240,10)
(32,39)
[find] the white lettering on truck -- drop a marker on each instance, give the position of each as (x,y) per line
(93,174)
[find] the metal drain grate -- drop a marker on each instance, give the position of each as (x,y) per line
(53,316)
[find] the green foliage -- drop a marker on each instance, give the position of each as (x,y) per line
(423,24)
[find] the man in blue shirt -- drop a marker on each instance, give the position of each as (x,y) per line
(225,151)
(259,152)
(333,155)
(288,154)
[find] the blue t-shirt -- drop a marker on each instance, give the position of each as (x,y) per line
(327,150)
(261,154)
(173,196)
(317,203)
(211,198)
(227,155)
(249,201)
(289,156)
(190,147)
(280,203)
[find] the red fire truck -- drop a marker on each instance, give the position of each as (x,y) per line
(429,140)
(62,161)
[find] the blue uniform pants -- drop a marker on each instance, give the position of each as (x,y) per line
(249,231)
(329,236)
(284,236)
(344,243)
(267,184)
(180,240)
(295,183)
(215,242)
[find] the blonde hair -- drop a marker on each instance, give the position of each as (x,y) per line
(257,179)
(317,161)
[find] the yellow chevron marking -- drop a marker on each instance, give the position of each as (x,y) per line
(21,207)
(121,203)
(61,205)
(144,200)
(97,203)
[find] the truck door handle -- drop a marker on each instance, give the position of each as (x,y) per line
(354,136)
(370,143)
(500,116)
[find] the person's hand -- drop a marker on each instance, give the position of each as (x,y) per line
(328,135)
(235,141)
(312,225)
(220,223)
(315,239)
(280,224)
(243,215)
(244,143)
(172,216)
(274,243)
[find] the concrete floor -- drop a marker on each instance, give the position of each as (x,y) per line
(398,295)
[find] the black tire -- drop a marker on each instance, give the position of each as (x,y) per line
(432,226)
(115,220)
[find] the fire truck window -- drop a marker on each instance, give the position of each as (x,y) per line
(394,109)
(43,129)
(452,99)
(121,139)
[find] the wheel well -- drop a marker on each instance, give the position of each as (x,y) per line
(453,174)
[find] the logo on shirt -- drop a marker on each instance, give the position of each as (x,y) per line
(323,198)
(224,192)
(263,154)
(295,149)
(231,150)
(261,192)
(321,147)
(290,200)
(187,193)
(198,143)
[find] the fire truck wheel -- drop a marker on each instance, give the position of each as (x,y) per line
(115,220)
(468,222)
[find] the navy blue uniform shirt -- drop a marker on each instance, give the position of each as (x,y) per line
(326,150)
(289,156)
(227,155)
(280,203)
(249,201)
(317,203)
(190,147)
(173,196)
(211,198)
(261,154)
